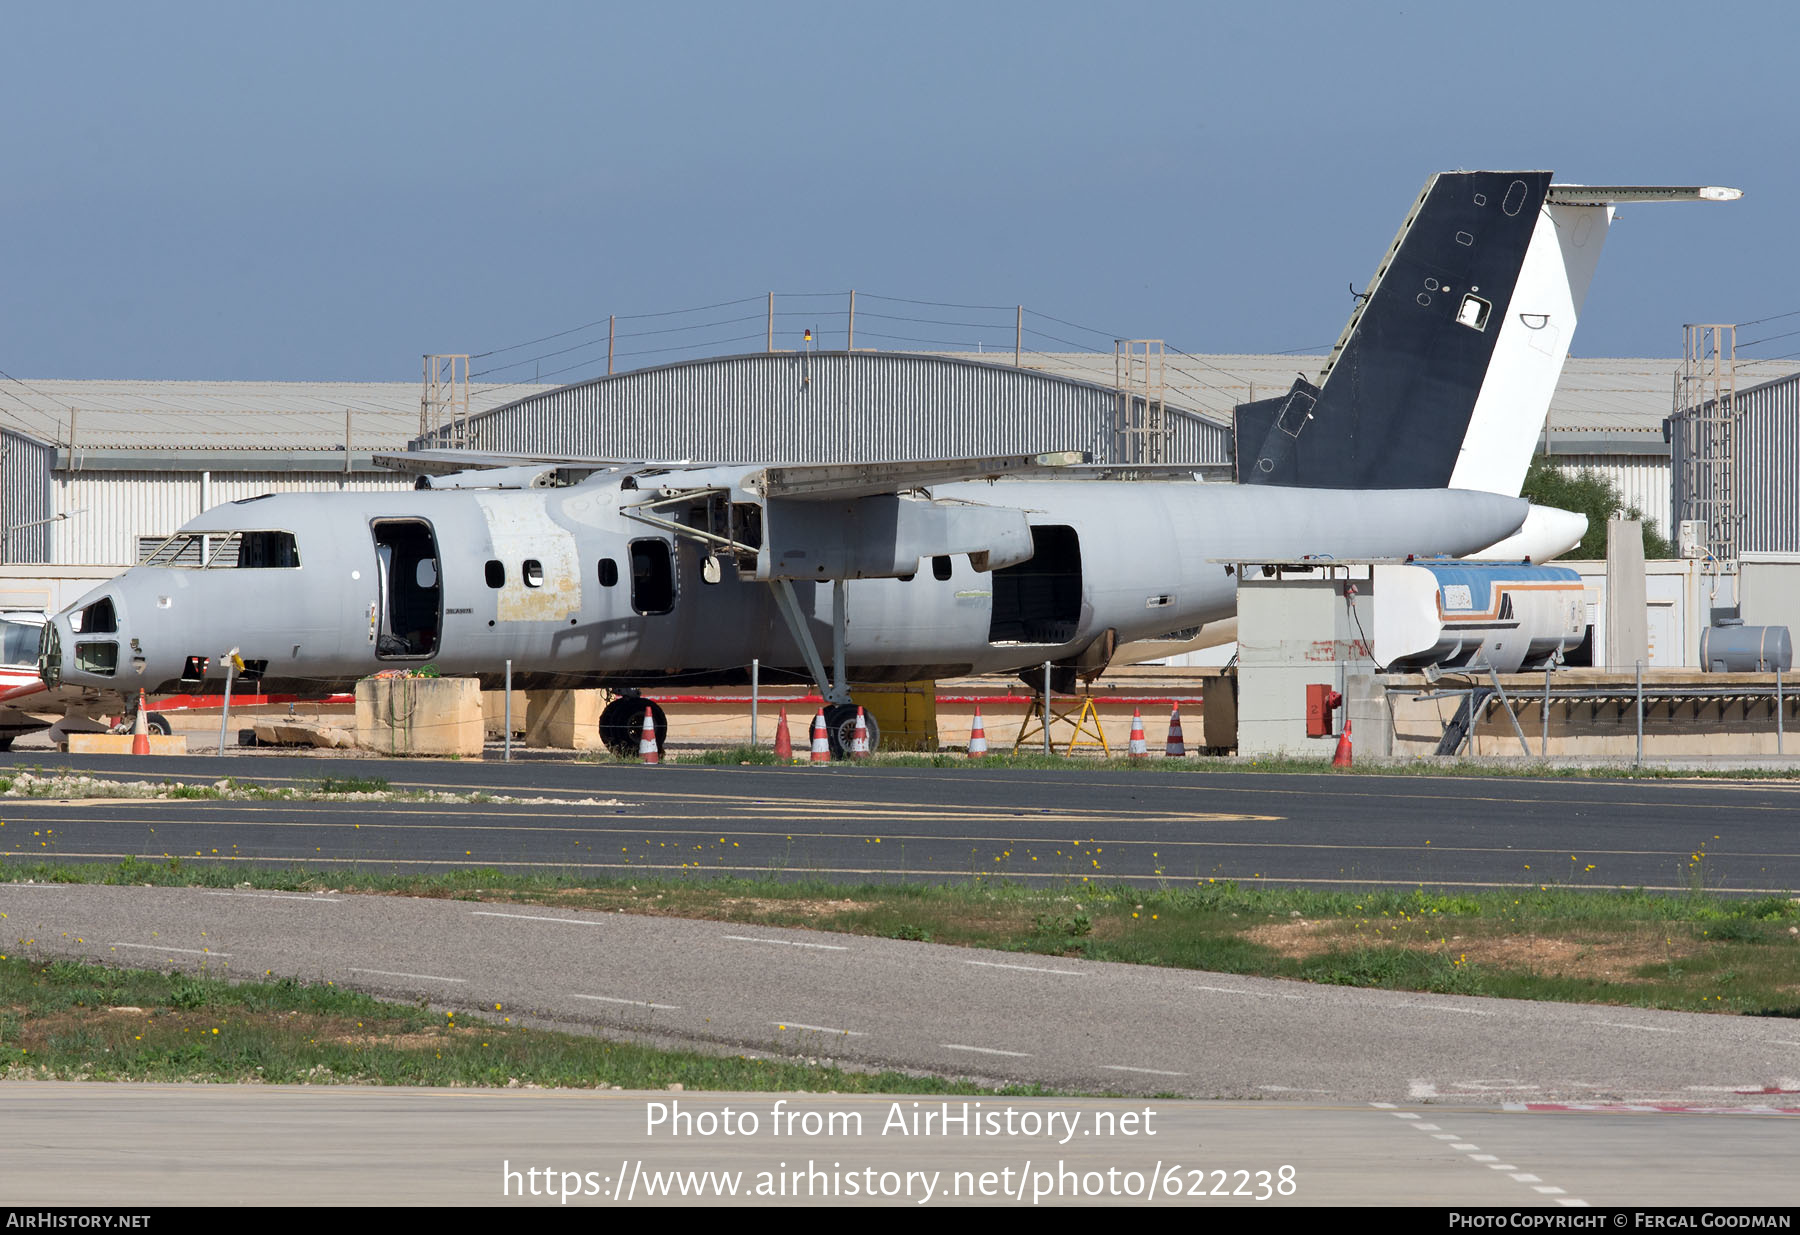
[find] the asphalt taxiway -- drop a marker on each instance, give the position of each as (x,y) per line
(853,823)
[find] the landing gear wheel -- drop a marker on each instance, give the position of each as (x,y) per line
(840,729)
(622,725)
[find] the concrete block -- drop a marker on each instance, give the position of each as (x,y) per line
(493,712)
(120,744)
(277,731)
(419,716)
(905,713)
(563,719)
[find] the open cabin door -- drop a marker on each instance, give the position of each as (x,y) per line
(410,591)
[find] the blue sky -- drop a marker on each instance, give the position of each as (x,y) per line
(326,191)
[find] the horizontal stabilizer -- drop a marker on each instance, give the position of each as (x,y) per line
(1621,194)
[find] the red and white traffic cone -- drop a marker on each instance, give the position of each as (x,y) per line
(821,745)
(784,745)
(1177,747)
(977,737)
(1342,758)
(140,730)
(648,750)
(1137,748)
(859,738)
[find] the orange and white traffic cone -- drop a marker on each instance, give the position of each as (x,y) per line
(821,745)
(784,745)
(1342,758)
(977,737)
(859,738)
(1177,747)
(1137,748)
(648,750)
(140,730)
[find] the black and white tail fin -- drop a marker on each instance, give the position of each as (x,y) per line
(1445,371)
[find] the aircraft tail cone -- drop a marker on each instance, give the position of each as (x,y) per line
(784,745)
(648,750)
(1138,748)
(977,737)
(1177,746)
(1342,758)
(859,738)
(821,745)
(140,731)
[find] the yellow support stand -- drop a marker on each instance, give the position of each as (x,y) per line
(1078,717)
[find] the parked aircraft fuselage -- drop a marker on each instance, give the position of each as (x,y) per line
(324,589)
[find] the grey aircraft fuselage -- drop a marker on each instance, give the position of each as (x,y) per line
(329,588)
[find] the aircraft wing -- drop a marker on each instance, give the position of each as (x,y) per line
(832,482)
(881,523)
(446,462)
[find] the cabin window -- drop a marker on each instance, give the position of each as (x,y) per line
(533,572)
(496,573)
(609,572)
(940,568)
(652,576)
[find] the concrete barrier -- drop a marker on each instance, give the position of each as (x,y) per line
(563,719)
(419,716)
(120,744)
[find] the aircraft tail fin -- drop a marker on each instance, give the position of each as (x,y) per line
(1444,373)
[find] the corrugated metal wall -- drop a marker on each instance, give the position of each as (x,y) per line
(118,507)
(1766,447)
(829,406)
(25,497)
(1642,480)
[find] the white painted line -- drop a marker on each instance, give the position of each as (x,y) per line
(1228,990)
(1569,1200)
(1527,1179)
(1546,1189)
(848,1033)
(1645,1028)
(151,947)
(1067,973)
(423,977)
(635,1003)
(1501,1166)
(1464,1145)
(535,917)
(1426,1127)
(1119,1067)
(1405,1115)
(1444,1007)
(983,1050)
(55,887)
(283,896)
(1385,1106)
(1483,1158)
(791,943)
(1446,1136)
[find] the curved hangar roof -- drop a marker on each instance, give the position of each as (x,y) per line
(836,406)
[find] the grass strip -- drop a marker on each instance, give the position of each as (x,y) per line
(1695,951)
(746,756)
(68,1020)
